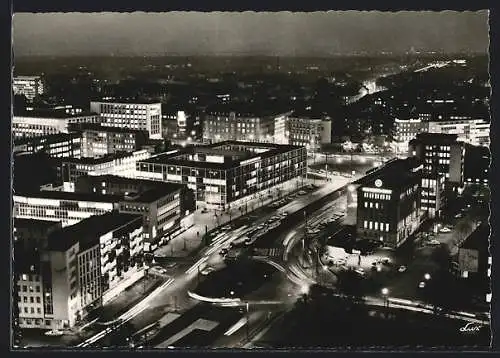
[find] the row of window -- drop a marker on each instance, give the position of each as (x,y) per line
(26,288)
(375,225)
(31,299)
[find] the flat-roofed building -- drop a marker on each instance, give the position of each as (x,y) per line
(227,173)
(309,130)
(388,206)
(98,140)
(29,86)
(42,123)
(144,116)
(61,145)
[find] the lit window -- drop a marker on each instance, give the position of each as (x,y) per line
(24,277)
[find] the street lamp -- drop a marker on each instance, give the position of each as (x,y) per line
(427,277)
(385,293)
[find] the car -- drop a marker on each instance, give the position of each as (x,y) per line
(159,269)
(284,213)
(302,192)
(207,271)
(385,261)
(54,333)
(223,251)
(421,284)
(458,216)
(434,243)
(204,210)
(402,269)
(445,230)
(261,226)
(360,272)
(171,265)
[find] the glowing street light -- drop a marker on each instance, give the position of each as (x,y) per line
(231,293)
(427,276)
(304,290)
(385,293)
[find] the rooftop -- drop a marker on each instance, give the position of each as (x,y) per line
(100,160)
(125,101)
(52,114)
(32,223)
(233,152)
(397,174)
(69,196)
(101,128)
(478,239)
(436,138)
(88,231)
(245,109)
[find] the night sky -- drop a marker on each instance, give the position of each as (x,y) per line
(282,33)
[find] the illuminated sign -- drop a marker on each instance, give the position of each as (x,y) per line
(378,183)
(377,191)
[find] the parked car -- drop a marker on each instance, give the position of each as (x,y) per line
(302,192)
(402,269)
(208,270)
(223,251)
(171,265)
(445,230)
(159,269)
(54,333)
(421,284)
(434,243)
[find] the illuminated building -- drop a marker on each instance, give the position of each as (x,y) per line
(309,131)
(99,140)
(37,124)
(29,86)
(132,115)
(228,172)
(60,145)
(181,127)
(388,207)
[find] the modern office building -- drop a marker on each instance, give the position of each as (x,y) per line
(64,207)
(244,123)
(227,173)
(37,124)
(308,130)
(167,208)
(98,140)
(123,164)
(131,115)
(29,86)
(471,131)
(388,207)
(61,145)
(443,160)
(405,130)
(75,269)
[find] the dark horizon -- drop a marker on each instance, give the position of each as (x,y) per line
(284,34)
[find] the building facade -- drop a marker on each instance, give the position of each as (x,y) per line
(388,207)
(123,164)
(227,173)
(405,131)
(98,140)
(471,131)
(165,207)
(67,208)
(476,165)
(137,116)
(29,86)
(181,126)
(308,132)
(62,145)
(220,125)
(36,125)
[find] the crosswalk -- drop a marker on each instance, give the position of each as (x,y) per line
(269,252)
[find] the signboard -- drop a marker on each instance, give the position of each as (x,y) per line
(378,183)
(468,260)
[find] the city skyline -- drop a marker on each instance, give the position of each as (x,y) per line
(270,34)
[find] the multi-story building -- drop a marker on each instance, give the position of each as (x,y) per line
(61,145)
(472,131)
(443,160)
(406,130)
(77,268)
(238,123)
(306,130)
(167,208)
(29,86)
(98,140)
(388,207)
(138,116)
(180,126)
(67,208)
(227,173)
(476,165)
(123,164)
(37,124)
